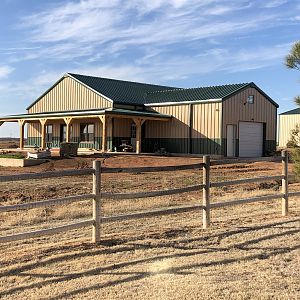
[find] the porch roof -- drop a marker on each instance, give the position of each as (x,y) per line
(85,113)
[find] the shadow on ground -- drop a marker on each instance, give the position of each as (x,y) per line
(208,242)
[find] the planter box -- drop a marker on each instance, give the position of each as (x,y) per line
(20,162)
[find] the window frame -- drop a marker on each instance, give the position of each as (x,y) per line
(250,99)
(86,134)
(49,133)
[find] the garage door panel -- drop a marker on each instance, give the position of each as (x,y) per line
(250,139)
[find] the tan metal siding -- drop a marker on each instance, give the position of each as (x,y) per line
(178,127)
(34,130)
(122,127)
(237,109)
(207,120)
(67,95)
(286,124)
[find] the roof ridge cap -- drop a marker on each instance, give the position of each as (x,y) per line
(120,80)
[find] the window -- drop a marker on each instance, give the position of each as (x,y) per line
(87,132)
(250,99)
(49,133)
(133,131)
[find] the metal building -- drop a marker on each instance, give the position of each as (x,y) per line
(288,121)
(99,113)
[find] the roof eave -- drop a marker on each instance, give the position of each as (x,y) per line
(184,102)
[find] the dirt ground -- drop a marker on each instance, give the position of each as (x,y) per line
(250,251)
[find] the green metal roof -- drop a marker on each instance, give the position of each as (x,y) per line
(219,92)
(119,91)
(127,92)
(193,94)
(135,93)
(295,111)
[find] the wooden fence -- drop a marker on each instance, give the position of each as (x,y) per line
(97,196)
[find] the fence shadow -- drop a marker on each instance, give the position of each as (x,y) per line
(184,248)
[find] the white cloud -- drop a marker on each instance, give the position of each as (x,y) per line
(5,71)
(274,3)
(76,29)
(161,68)
(297,18)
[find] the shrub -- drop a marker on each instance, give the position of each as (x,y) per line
(294,142)
(296,159)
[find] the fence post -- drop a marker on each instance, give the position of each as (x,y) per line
(285,199)
(206,183)
(96,201)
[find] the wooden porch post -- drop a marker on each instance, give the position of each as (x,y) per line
(43,124)
(104,133)
(21,125)
(68,133)
(138,122)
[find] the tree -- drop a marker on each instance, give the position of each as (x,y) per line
(292,61)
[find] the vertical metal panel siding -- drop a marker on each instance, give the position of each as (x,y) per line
(178,127)
(206,120)
(262,110)
(122,127)
(69,95)
(286,124)
(34,129)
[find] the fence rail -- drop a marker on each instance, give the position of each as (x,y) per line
(245,200)
(246,180)
(97,195)
(48,202)
(192,188)
(28,176)
(42,232)
(152,213)
(152,169)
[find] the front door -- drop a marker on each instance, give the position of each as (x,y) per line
(231,140)
(63,133)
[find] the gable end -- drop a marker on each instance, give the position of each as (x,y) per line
(69,94)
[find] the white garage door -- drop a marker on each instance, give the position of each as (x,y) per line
(250,139)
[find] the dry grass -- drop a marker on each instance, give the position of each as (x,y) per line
(250,252)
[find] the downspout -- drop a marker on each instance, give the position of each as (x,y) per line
(190,128)
(222,148)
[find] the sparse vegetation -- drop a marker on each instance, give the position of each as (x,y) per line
(12,155)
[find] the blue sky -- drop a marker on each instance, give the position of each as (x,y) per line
(183,43)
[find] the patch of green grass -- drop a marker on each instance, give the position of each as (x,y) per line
(12,155)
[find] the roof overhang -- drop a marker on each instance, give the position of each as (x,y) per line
(122,113)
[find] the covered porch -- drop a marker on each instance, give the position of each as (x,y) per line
(101,130)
